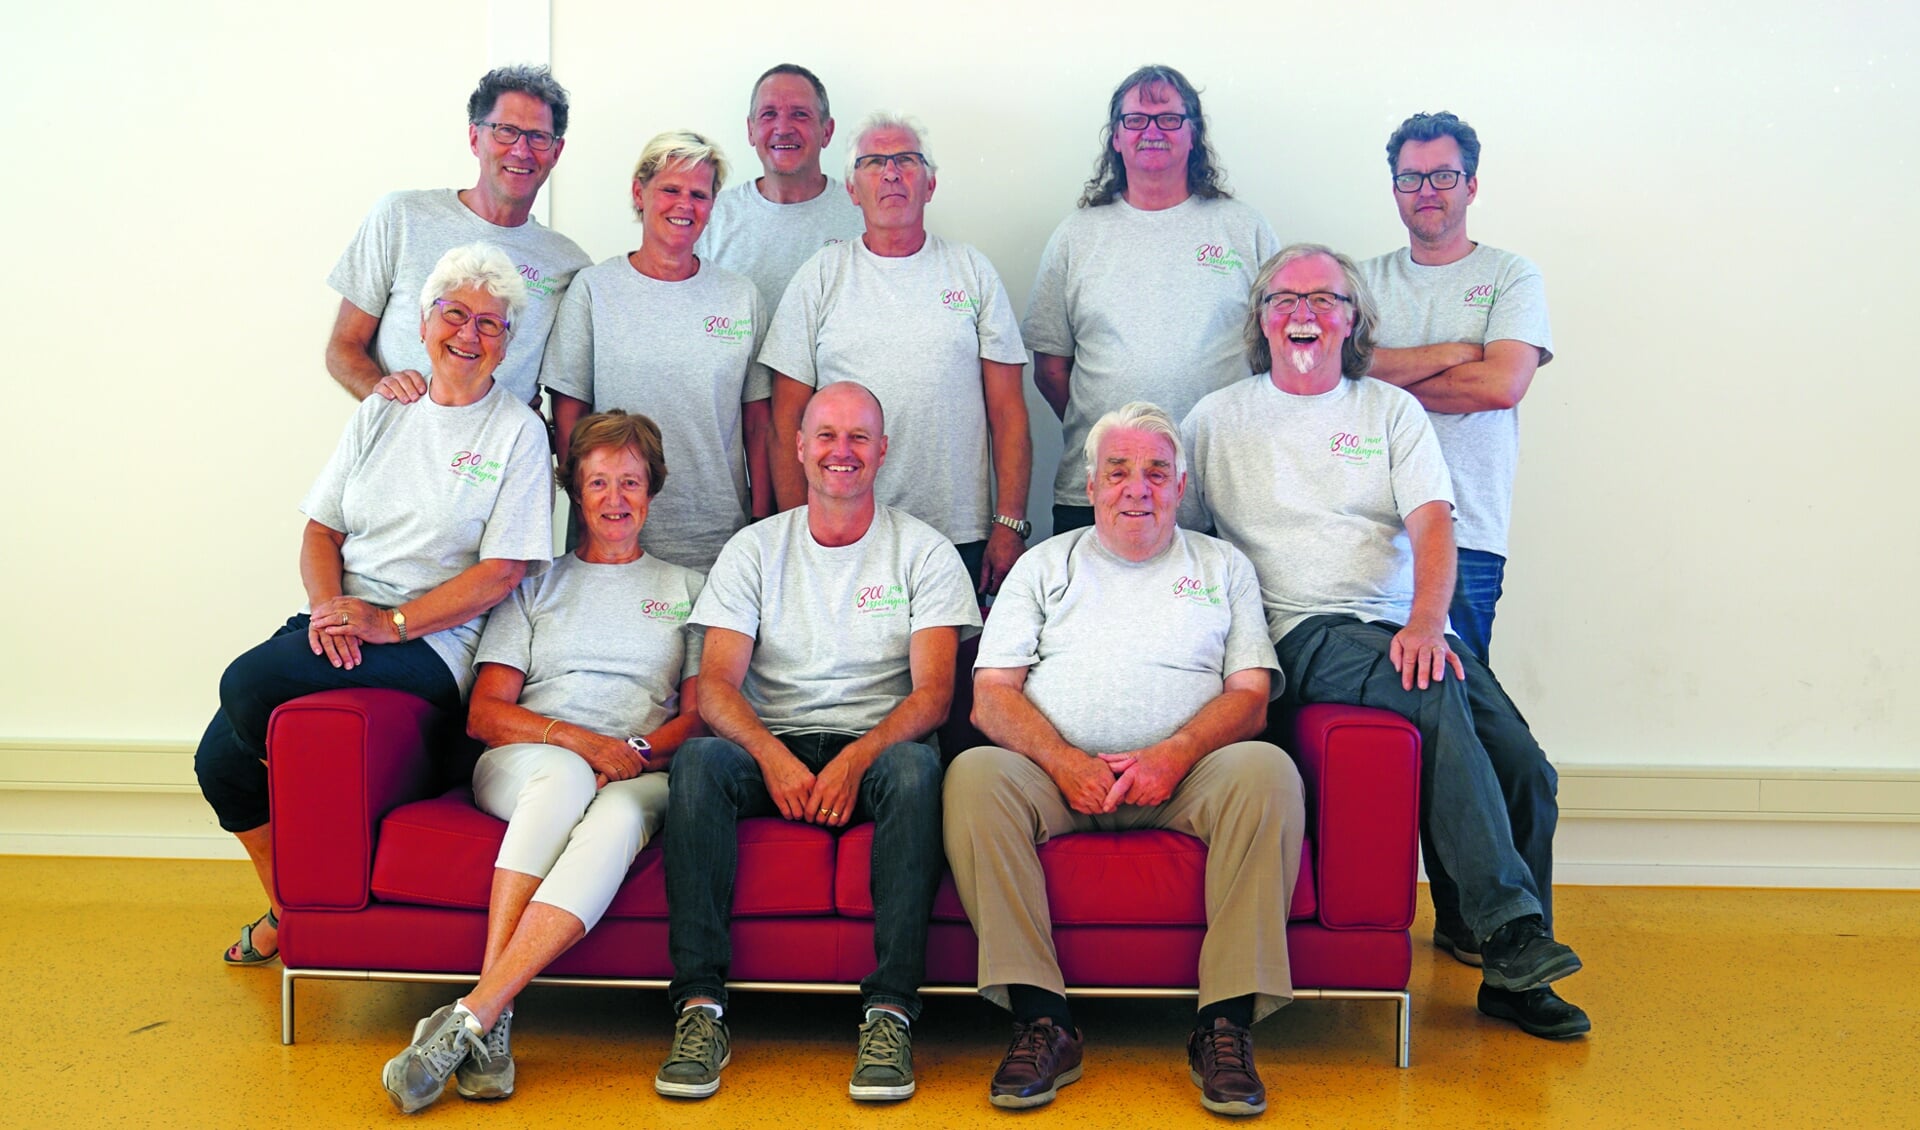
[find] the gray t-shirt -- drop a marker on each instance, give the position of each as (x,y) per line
(602,646)
(383,270)
(1491,295)
(833,625)
(1316,490)
(1079,618)
(1150,306)
(913,329)
(424,492)
(767,242)
(681,352)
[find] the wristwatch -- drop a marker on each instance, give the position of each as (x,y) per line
(1019,526)
(399,623)
(641,746)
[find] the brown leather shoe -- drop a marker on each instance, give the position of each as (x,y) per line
(1043,1058)
(1220,1059)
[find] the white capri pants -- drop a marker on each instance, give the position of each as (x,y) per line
(579,841)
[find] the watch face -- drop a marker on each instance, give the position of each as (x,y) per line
(639,745)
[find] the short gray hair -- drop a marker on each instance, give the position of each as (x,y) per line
(482,265)
(889,119)
(1138,416)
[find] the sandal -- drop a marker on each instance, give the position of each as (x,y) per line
(249,955)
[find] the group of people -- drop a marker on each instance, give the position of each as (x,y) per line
(773,628)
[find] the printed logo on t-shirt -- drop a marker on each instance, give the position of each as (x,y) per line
(1218,258)
(537,287)
(732,331)
(1199,592)
(475,469)
(880,600)
(1480,297)
(1352,448)
(958,302)
(670,611)
(830,241)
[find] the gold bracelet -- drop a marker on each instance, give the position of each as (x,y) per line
(549,732)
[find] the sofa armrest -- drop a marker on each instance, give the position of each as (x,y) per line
(1361,771)
(337,763)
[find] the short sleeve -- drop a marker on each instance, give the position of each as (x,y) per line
(1520,311)
(1048,328)
(695,640)
(759,382)
(999,332)
(364,275)
(731,598)
(1419,469)
(1248,647)
(788,349)
(940,595)
(520,528)
(1194,514)
(324,501)
(508,636)
(567,365)
(1011,637)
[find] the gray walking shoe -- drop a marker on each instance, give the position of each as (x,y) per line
(416,1076)
(700,1050)
(488,1072)
(883,1067)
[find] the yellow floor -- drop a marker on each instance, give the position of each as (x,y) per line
(1712,1008)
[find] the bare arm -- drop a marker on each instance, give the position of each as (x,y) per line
(1012,466)
(723,667)
(495,716)
(757,429)
(456,600)
(1239,712)
(930,657)
(350,359)
(1498,381)
(322,572)
(1416,363)
(789,403)
(566,413)
(1003,712)
(1419,650)
(1052,374)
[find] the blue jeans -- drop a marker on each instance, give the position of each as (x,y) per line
(1476,590)
(716,783)
(1469,733)
(231,759)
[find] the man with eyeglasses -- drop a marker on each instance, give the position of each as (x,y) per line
(1334,484)
(765,228)
(1463,327)
(516,118)
(1141,290)
(925,323)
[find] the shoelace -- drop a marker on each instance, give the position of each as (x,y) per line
(882,1044)
(694,1036)
(1031,1044)
(495,1042)
(447,1047)
(1229,1048)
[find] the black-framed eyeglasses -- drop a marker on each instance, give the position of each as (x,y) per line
(506,135)
(1168,121)
(1318,301)
(907,162)
(1441,179)
(454,314)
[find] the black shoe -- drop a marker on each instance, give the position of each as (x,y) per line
(1457,940)
(1521,955)
(1538,1012)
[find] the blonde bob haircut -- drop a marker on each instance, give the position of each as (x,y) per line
(678,147)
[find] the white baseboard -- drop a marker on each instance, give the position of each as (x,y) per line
(1619,826)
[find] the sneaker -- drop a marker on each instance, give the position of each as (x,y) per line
(883,1067)
(1220,1061)
(416,1076)
(1539,1012)
(1521,955)
(488,1072)
(1043,1058)
(1457,941)
(700,1050)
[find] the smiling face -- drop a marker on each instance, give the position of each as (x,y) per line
(786,127)
(1434,217)
(842,443)
(674,206)
(1153,151)
(890,196)
(514,173)
(1306,342)
(1135,490)
(611,492)
(462,354)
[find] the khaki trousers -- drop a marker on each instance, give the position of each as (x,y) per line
(1244,801)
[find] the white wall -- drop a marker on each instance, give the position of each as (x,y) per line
(1712,552)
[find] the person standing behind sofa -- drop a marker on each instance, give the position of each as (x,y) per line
(427,515)
(831,635)
(586,687)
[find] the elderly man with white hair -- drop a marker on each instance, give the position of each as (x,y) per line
(1125,673)
(925,323)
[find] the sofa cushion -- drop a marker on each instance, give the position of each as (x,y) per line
(1163,874)
(440,852)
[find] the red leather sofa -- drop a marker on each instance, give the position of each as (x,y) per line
(383,865)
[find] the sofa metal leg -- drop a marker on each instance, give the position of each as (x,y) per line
(1403,1021)
(286,1006)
